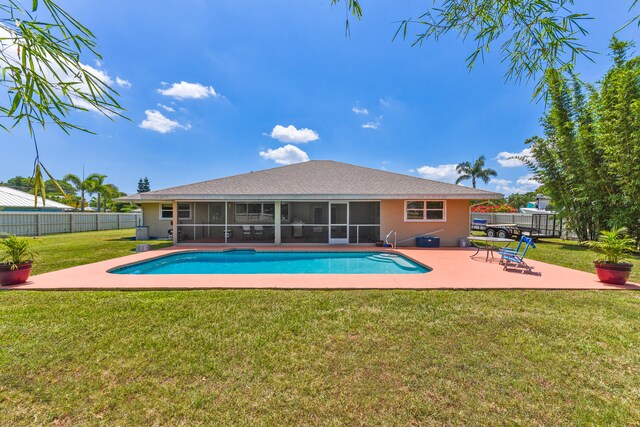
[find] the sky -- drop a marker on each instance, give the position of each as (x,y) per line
(217,88)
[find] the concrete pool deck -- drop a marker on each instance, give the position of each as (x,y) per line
(452,269)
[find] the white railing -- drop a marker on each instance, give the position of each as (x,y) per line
(42,223)
(395,238)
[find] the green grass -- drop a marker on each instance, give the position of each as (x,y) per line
(266,357)
(67,250)
(572,254)
(307,358)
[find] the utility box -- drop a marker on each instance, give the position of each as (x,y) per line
(142,233)
(143,247)
(428,242)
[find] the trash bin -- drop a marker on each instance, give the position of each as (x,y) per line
(142,233)
(428,242)
(463,243)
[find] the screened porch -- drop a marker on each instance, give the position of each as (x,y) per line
(276,222)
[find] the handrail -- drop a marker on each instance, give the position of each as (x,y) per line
(422,235)
(395,238)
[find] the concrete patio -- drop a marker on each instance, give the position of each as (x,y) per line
(452,269)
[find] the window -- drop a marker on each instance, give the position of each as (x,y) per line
(424,210)
(254,212)
(184,211)
(166,211)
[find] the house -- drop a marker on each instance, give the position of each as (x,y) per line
(19,201)
(315,202)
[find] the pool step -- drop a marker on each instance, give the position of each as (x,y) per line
(393,259)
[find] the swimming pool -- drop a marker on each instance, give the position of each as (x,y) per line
(242,261)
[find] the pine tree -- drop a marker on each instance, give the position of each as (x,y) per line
(143,185)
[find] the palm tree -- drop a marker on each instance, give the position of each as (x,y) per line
(111,192)
(97,186)
(475,171)
(79,185)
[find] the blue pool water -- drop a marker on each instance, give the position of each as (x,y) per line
(253,262)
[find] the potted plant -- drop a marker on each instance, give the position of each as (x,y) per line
(16,258)
(614,245)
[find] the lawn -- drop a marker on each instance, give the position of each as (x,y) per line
(569,253)
(67,250)
(269,357)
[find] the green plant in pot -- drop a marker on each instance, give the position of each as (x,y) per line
(614,245)
(16,258)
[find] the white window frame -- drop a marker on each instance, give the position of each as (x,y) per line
(424,211)
(171,205)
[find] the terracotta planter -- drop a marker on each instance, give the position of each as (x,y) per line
(615,274)
(14,277)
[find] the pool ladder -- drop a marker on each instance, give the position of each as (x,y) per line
(395,238)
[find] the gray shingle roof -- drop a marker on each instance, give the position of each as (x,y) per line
(318,180)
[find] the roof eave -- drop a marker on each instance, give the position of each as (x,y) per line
(157,198)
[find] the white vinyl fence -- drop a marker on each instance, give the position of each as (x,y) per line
(41,223)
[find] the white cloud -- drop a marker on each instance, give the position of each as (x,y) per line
(123,83)
(528,181)
(362,111)
(157,122)
(57,75)
(508,160)
(384,102)
(499,181)
(186,90)
(100,74)
(166,108)
(287,155)
(524,184)
(293,135)
(371,125)
(440,173)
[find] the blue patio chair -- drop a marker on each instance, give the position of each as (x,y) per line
(513,251)
(516,259)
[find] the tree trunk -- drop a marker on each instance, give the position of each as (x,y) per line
(473,181)
(82,201)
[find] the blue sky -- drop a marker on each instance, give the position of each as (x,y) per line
(252,71)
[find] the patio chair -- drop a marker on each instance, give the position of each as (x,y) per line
(513,251)
(516,259)
(246,232)
(259,231)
